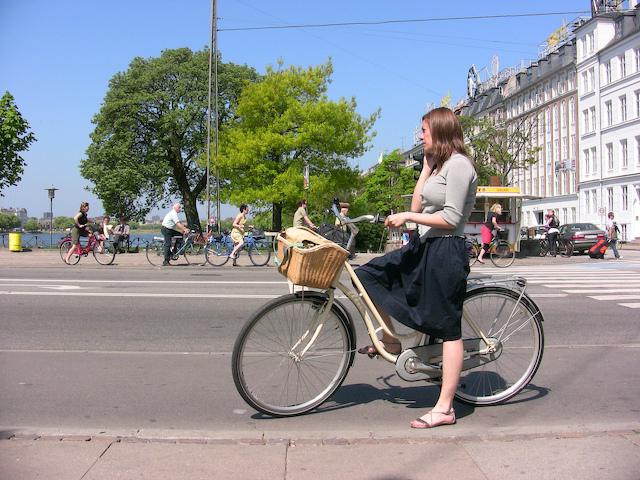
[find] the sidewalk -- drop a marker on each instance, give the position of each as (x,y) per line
(605,455)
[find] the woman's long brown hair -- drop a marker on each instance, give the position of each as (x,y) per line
(446,134)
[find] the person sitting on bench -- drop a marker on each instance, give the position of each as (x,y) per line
(121,234)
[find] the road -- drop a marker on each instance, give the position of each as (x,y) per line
(146,352)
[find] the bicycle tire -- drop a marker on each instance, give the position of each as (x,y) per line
(260,254)
(105,255)
(544,248)
(154,252)
(565,248)
(502,255)
(267,370)
(194,254)
(517,322)
(64,248)
(217,253)
(473,250)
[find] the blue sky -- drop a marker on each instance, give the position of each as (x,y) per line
(56,58)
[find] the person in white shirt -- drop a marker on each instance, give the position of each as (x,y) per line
(612,234)
(171,227)
(121,233)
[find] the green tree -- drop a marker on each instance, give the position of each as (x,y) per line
(62,222)
(8,222)
(15,138)
(498,149)
(32,225)
(287,122)
(152,129)
(384,186)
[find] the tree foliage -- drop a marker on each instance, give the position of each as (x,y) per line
(62,222)
(32,225)
(15,138)
(151,132)
(8,222)
(499,150)
(286,122)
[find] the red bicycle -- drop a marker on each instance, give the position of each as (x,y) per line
(103,250)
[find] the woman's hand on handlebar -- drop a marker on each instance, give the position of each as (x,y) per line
(396,220)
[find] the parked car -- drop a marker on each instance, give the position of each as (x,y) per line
(582,235)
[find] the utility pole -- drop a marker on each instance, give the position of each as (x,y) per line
(215,109)
(213,16)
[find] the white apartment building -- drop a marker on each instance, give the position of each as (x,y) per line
(608,71)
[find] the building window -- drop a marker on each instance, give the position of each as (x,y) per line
(573,214)
(594,160)
(607,72)
(572,112)
(572,147)
(610,156)
(609,113)
(592,79)
(623,231)
(637,55)
(610,199)
(555,117)
(638,150)
(637,92)
(585,118)
(592,111)
(587,203)
(585,83)
(585,154)
(592,42)
(623,108)
(622,62)
(625,198)
(624,156)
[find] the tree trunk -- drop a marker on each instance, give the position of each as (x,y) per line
(276,217)
(191,212)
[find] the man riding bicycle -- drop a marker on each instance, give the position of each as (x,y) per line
(171,227)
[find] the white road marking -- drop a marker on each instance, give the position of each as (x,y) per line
(55,287)
(615,297)
(630,305)
(143,295)
(548,295)
(592,284)
(168,282)
(604,290)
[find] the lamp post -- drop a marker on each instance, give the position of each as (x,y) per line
(52,194)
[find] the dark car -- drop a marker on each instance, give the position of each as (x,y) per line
(583,236)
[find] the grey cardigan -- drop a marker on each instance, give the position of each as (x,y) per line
(451,193)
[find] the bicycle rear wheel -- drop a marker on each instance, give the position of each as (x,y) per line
(64,248)
(260,253)
(155,253)
(271,370)
(544,248)
(565,248)
(516,327)
(194,254)
(217,253)
(104,253)
(502,255)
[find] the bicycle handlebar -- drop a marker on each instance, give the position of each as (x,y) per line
(377,218)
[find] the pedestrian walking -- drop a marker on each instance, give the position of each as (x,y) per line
(551,225)
(612,234)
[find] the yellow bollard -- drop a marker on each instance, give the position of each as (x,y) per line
(15,242)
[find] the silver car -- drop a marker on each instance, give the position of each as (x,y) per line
(583,236)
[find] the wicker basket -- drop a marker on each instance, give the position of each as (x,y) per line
(308,259)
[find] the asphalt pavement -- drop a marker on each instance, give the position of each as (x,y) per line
(73,407)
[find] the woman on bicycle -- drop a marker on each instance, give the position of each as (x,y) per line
(487,228)
(79,229)
(423,284)
(237,232)
(551,224)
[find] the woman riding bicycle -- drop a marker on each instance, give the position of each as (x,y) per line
(423,284)
(237,232)
(80,229)
(487,228)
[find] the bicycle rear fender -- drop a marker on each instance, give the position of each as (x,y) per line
(321,297)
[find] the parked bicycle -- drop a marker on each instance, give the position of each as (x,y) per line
(500,252)
(563,247)
(103,250)
(219,248)
(295,351)
(191,247)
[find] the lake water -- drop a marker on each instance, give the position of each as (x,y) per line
(41,240)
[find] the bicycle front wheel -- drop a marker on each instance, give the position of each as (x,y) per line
(260,253)
(104,253)
(155,253)
(279,367)
(565,248)
(502,255)
(194,254)
(473,250)
(515,325)
(217,253)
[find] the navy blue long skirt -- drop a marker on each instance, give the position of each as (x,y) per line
(421,285)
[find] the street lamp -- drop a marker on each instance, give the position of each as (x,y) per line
(52,194)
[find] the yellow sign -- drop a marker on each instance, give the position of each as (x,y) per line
(498,190)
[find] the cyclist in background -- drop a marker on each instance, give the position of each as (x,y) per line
(80,229)
(486,230)
(552,225)
(237,232)
(300,218)
(171,227)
